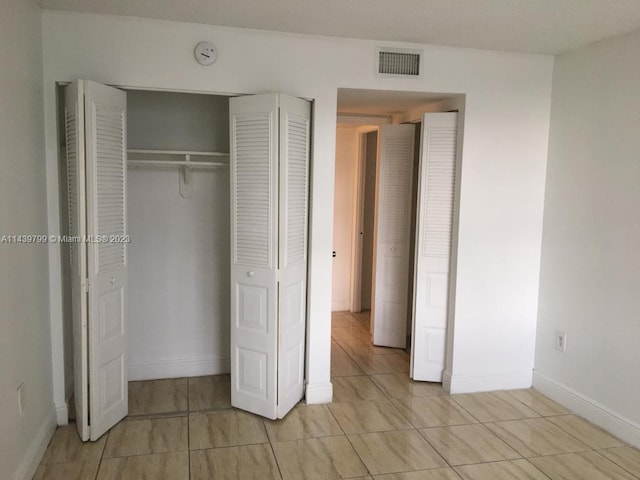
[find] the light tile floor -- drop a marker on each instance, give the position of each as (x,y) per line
(380,426)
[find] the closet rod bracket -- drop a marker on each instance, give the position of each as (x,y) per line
(186,184)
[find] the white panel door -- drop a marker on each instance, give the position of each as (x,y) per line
(254,253)
(74,134)
(436,192)
(392,230)
(105,137)
(292,289)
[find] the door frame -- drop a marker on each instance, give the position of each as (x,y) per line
(412,117)
(62,382)
(355,294)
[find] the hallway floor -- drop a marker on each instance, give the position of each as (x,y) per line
(380,426)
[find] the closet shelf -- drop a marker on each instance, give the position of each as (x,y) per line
(176,158)
(173,163)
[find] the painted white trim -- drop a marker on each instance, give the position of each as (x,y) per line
(62,414)
(319,393)
(446,381)
(341,306)
(352,119)
(355,293)
(182,367)
(356,226)
(486,382)
(31,459)
(598,414)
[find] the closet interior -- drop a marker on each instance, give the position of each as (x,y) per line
(177,215)
(178,220)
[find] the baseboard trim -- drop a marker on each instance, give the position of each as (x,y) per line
(319,393)
(446,381)
(62,414)
(595,412)
(33,454)
(486,382)
(180,367)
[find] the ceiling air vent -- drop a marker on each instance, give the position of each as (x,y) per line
(395,61)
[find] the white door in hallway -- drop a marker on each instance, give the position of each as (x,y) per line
(95,124)
(269,209)
(435,212)
(392,231)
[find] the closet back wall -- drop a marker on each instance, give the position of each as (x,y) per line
(178,285)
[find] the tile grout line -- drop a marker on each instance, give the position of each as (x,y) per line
(585,451)
(414,428)
(273,451)
(464,409)
(188,430)
(581,441)
(350,442)
(102,454)
(387,397)
(616,463)
(522,403)
(351,357)
(540,416)
(500,461)
(342,429)
(381,393)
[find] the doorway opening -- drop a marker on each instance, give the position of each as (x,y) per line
(396,191)
(161,293)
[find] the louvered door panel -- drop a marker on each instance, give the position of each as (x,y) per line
(254,236)
(292,288)
(253,220)
(110,185)
(434,230)
(73,203)
(297,164)
(440,191)
(397,152)
(74,135)
(105,115)
(392,226)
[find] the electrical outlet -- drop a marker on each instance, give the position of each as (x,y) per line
(21,399)
(561,341)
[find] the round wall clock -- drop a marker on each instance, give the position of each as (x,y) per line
(205,53)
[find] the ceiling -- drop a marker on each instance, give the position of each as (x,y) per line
(533,26)
(382,102)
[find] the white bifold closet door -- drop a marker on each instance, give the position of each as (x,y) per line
(436,192)
(392,235)
(269,210)
(95,128)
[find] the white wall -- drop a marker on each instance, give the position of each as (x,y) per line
(25,348)
(344,215)
(177,121)
(590,280)
(503,164)
(178,285)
